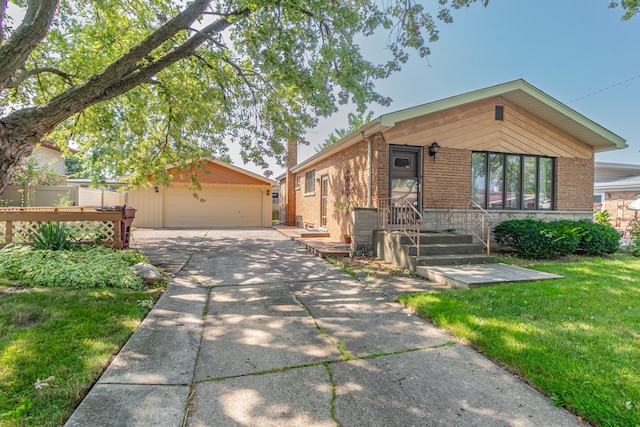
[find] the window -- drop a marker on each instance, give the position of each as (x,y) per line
(310,182)
(598,202)
(512,181)
(402,162)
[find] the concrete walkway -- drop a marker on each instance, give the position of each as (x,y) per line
(254,331)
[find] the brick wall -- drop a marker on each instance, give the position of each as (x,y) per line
(616,203)
(347,172)
(447,178)
(574,184)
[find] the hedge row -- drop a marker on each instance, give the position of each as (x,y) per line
(536,239)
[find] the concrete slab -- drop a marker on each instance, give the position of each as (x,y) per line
(364,322)
(259,359)
(469,276)
(392,287)
(296,397)
(164,348)
(446,386)
(117,405)
(256,329)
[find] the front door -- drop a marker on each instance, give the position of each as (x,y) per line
(324,201)
(405,176)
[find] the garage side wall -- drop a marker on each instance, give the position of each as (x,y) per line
(148,204)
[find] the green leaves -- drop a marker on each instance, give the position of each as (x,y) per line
(52,235)
(83,268)
(266,76)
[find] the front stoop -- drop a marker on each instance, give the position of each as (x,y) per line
(436,249)
(471,276)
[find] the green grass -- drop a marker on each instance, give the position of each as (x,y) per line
(57,337)
(66,335)
(577,339)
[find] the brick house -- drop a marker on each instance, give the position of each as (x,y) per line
(616,186)
(511,148)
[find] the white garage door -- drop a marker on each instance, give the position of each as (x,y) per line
(223,207)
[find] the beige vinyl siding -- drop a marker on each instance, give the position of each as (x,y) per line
(49,158)
(148,204)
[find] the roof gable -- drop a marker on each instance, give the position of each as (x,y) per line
(518,92)
(217,172)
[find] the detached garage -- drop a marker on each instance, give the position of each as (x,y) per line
(230,197)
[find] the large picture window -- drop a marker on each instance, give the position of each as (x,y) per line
(512,181)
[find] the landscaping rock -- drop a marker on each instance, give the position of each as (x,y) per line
(147,272)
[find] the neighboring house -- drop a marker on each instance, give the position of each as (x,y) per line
(616,186)
(49,159)
(230,197)
(510,148)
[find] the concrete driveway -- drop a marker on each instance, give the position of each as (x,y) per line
(254,331)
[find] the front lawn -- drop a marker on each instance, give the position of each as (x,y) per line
(577,339)
(56,341)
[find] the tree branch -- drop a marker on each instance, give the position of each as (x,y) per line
(15,51)
(22,75)
(3,11)
(102,88)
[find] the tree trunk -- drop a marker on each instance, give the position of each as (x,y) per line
(16,143)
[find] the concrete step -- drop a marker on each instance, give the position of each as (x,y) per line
(447,249)
(456,259)
(439,238)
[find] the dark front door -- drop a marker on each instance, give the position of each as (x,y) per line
(404,174)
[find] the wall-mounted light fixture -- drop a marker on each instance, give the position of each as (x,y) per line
(433,149)
(156,189)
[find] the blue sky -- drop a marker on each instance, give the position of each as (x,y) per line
(577,51)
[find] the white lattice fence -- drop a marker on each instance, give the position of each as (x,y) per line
(83,225)
(79,231)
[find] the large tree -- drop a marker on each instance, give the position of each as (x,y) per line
(137,85)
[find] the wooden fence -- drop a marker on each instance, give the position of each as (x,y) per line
(84,224)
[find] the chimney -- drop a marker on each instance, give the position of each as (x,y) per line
(292,160)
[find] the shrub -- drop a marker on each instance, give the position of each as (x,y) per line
(564,237)
(601,217)
(598,239)
(536,239)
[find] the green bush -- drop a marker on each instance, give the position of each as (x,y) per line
(536,239)
(83,268)
(598,239)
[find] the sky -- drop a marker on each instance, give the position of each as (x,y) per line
(579,52)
